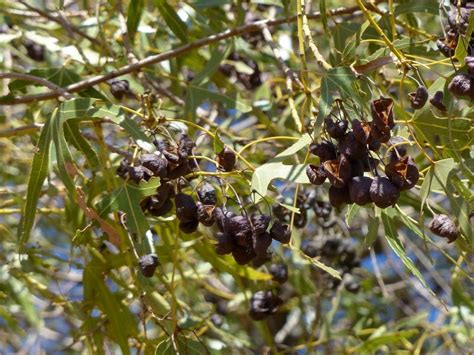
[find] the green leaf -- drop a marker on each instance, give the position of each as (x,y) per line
(176,25)
(351,213)
(74,136)
(436,178)
(268,2)
(409,7)
(337,82)
(397,246)
(371,345)
(38,173)
(198,95)
(453,133)
(120,321)
(134,15)
(127,199)
(275,169)
(463,41)
(218,143)
(324,18)
(202,4)
(372,233)
(216,59)
(83,110)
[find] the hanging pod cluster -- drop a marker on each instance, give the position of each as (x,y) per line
(345,159)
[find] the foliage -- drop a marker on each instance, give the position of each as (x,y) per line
(90,89)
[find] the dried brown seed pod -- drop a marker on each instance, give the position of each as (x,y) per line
(357,167)
(263,304)
(335,129)
(437,101)
(397,148)
(227,159)
(205,214)
(462,85)
(377,134)
(403,172)
(243,255)
(240,229)
(338,171)
(418,98)
(361,130)
(382,114)
(139,173)
(207,194)
(122,169)
(316,174)
(225,244)
(34,50)
(119,88)
(280,232)
(279,272)
(351,147)
(443,226)
(261,242)
(148,264)
(374,144)
(162,210)
(339,197)
(189,227)
(156,164)
(182,169)
(324,150)
(260,222)
(185,147)
(186,209)
(359,190)
(383,192)
(257,262)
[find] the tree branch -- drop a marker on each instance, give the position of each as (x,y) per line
(36,79)
(252,27)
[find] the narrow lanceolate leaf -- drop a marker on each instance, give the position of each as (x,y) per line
(134,16)
(398,248)
(175,24)
(74,136)
(39,172)
(74,111)
(127,199)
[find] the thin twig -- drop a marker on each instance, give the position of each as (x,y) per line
(21,131)
(36,79)
(249,28)
(307,34)
(62,21)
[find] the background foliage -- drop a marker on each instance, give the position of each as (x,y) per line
(258,77)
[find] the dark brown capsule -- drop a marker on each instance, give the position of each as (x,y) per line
(359,190)
(316,174)
(338,171)
(383,192)
(418,98)
(403,172)
(443,226)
